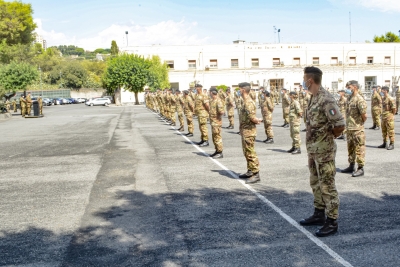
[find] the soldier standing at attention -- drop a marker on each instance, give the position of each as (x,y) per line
(28,104)
(188,109)
(239,104)
(306,99)
(14,104)
(356,115)
(267,107)
(376,108)
(8,105)
(285,107)
(22,103)
(172,109)
(301,96)
(40,101)
(202,108)
(342,103)
(397,99)
(389,109)
(230,108)
(248,131)
(179,109)
(260,96)
(295,114)
(253,95)
(324,123)
(216,112)
(222,95)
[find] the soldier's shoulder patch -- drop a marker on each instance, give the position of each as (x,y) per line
(332,112)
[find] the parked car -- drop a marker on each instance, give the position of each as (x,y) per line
(46,102)
(65,101)
(57,101)
(81,100)
(98,102)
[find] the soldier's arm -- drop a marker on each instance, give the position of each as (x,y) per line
(251,111)
(335,118)
(206,105)
(362,108)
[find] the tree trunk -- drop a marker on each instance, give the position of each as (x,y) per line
(117,97)
(136,98)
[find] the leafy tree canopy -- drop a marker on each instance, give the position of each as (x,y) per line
(388,37)
(114,48)
(17,76)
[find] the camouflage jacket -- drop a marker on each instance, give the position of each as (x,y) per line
(172,102)
(222,95)
(252,94)
(200,102)
(22,101)
(376,101)
(322,116)
(230,102)
(388,105)
(179,103)
(342,102)
(306,99)
(267,107)
(188,107)
(247,113)
(216,111)
(285,101)
(295,110)
(356,106)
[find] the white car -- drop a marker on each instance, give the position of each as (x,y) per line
(98,102)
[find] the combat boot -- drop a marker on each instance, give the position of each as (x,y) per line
(383,145)
(270,141)
(266,140)
(318,218)
(291,150)
(246,175)
(228,127)
(340,137)
(218,155)
(205,143)
(296,151)
(304,130)
(231,127)
(391,146)
(377,128)
(180,129)
(373,127)
(359,172)
(286,126)
(189,134)
(200,143)
(253,179)
(349,169)
(330,227)
(212,155)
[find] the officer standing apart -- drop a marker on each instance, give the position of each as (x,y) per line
(356,115)
(188,109)
(376,108)
(14,104)
(324,123)
(267,108)
(285,108)
(342,103)
(216,111)
(22,103)
(230,108)
(202,108)
(389,109)
(40,102)
(28,104)
(295,114)
(248,131)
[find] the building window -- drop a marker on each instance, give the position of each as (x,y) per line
(254,62)
(335,86)
(315,60)
(388,61)
(387,83)
(296,61)
(352,61)
(192,64)
(334,60)
(276,62)
(170,64)
(370,60)
(234,63)
(213,63)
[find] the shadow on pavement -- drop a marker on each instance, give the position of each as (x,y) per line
(278,150)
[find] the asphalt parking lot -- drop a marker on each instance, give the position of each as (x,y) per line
(116,186)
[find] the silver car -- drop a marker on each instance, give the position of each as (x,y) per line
(98,102)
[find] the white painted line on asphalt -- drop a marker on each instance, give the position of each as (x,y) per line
(289,219)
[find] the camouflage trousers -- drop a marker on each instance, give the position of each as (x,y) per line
(28,109)
(180,118)
(322,181)
(388,127)
(356,147)
(285,115)
(268,126)
(172,115)
(23,111)
(376,117)
(250,154)
(295,133)
(189,120)
(15,108)
(41,109)
(230,112)
(203,128)
(216,137)
(397,104)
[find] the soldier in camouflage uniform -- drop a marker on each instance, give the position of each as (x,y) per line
(179,109)
(239,104)
(248,131)
(172,107)
(285,108)
(14,104)
(295,114)
(324,123)
(188,109)
(230,108)
(306,99)
(389,109)
(376,108)
(267,108)
(216,111)
(397,99)
(356,115)
(222,95)
(22,103)
(8,105)
(253,95)
(260,96)
(202,108)
(342,103)
(28,104)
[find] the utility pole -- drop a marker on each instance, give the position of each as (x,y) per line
(274,34)
(126,33)
(279,38)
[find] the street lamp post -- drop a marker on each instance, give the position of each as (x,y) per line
(126,33)
(347,56)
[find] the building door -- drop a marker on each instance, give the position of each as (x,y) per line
(369,82)
(174,85)
(275,84)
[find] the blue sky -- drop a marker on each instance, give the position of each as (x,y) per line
(93,24)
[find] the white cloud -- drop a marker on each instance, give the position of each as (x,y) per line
(381,5)
(166,33)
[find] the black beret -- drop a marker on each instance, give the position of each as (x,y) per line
(284,89)
(228,89)
(293,93)
(186,92)
(386,88)
(353,82)
(267,93)
(312,70)
(214,91)
(341,90)
(242,85)
(198,85)
(177,91)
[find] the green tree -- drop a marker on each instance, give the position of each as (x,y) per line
(16,22)
(158,74)
(70,75)
(388,37)
(222,86)
(48,60)
(16,77)
(114,48)
(17,52)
